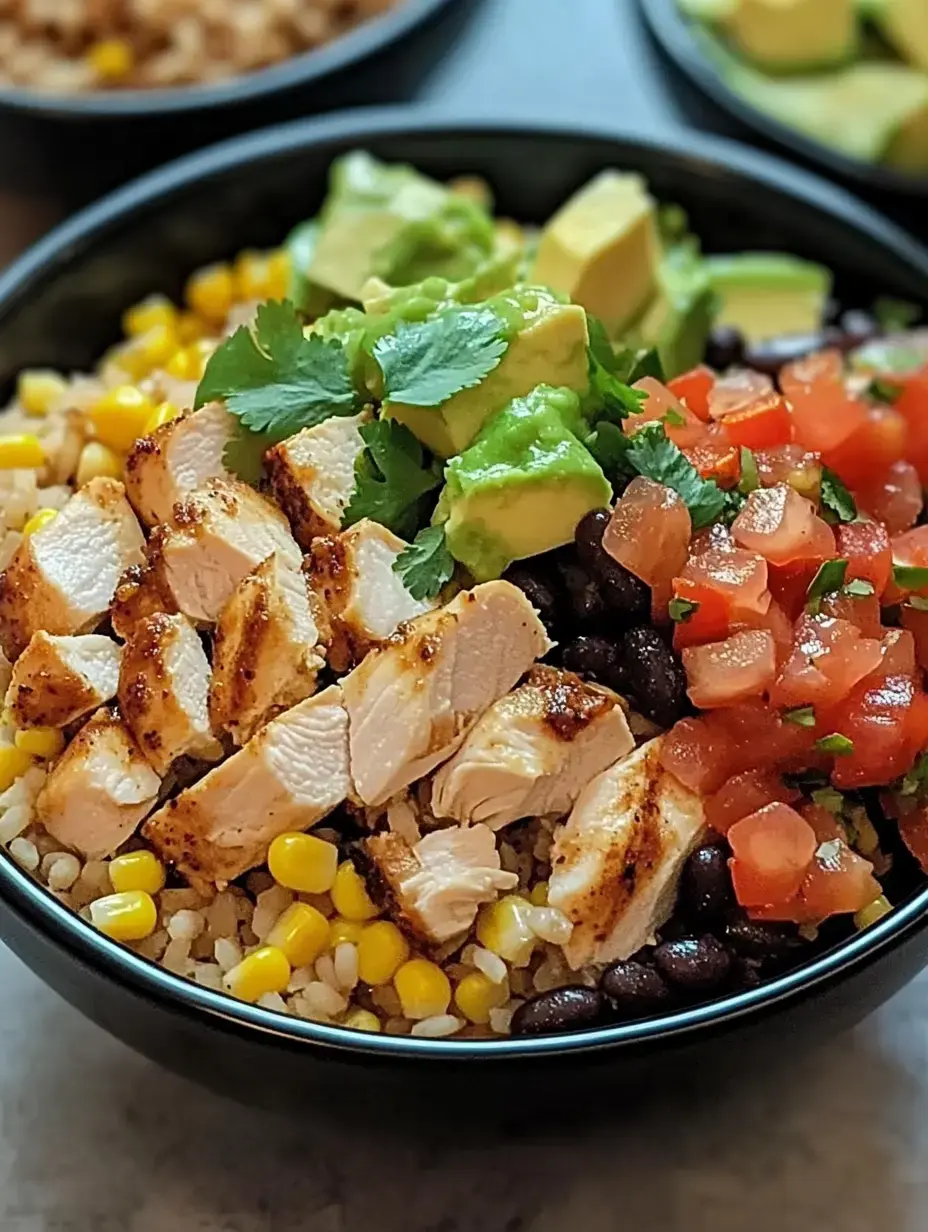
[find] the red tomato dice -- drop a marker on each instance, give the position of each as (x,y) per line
(829,658)
(745,793)
(913,826)
(709,622)
(649,532)
(783,527)
(862,611)
(772,850)
(912,404)
(824,413)
(838,882)
(866,548)
(792,464)
(716,457)
(875,718)
(722,673)
(762,424)
(659,402)
(876,445)
(892,495)
(737,390)
(693,388)
(915,620)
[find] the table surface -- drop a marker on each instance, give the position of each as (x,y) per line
(96,1139)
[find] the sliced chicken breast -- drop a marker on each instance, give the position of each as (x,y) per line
(617,860)
(312,474)
(99,790)
(138,594)
(62,577)
(291,775)
(267,651)
(414,699)
(533,751)
(57,680)
(216,537)
(176,459)
(435,887)
(366,601)
(163,690)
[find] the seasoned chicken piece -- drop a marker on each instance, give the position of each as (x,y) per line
(138,594)
(216,538)
(617,860)
(62,577)
(176,459)
(266,652)
(312,474)
(352,573)
(56,680)
(533,751)
(435,887)
(99,789)
(288,777)
(414,699)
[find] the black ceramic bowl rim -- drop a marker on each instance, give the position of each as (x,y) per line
(305,69)
(88,947)
(674,34)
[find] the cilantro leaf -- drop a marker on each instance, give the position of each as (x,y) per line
(674,418)
(881,390)
(910,577)
(425,363)
(609,391)
(829,798)
(837,503)
(243,454)
(654,456)
(917,602)
(681,609)
(609,446)
(917,778)
(859,588)
(646,363)
(801,716)
(828,579)
(835,743)
(391,476)
(895,314)
(426,564)
(750,477)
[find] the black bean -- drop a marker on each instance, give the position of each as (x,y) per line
(705,884)
(725,348)
(538,590)
(771,355)
(596,658)
(562,1009)
(744,974)
(624,593)
(655,676)
(759,940)
(635,989)
(699,965)
(587,606)
(589,536)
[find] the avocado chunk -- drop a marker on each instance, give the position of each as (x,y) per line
(547,344)
(708,10)
(396,224)
(311,299)
(601,249)
(769,294)
(794,35)
(523,485)
(904,24)
(678,321)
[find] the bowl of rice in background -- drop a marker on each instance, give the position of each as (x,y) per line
(60,306)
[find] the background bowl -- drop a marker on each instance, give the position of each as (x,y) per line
(60,306)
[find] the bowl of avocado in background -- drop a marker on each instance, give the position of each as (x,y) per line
(60,305)
(841,83)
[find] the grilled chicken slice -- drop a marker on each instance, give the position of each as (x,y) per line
(216,537)
(266,653)
(312,474)
(56,680)
(163,690)
(414,699)
(616,861)
(291,775)
(62,577)
(352,573)
(533,751)
(99,789)
(177,459)
(138,595)
(435,887)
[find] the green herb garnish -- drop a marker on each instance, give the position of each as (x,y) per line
(674,418)
(391,477)
(654,456)
(427,362)
(829,798)
(835,743)
(610,392)
(426,565)
(917,778)
(750,477)
(681,609)
(837,503)
(859,588)
(828,579)
(881,390)
(918,602)
(894,314)
(910,577)
(801,716)
(609,446)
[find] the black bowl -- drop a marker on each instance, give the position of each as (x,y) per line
(60,305)
(676,36)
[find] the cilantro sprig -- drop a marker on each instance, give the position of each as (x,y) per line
(651,454)
(426,564)
(682,609)
(800,716)
(391,477)
(837,503)
(425,363)
(835,743)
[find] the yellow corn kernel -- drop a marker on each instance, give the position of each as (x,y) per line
(382,950)
(13,763)
(476,995)
(873,911)
(423,988)
(278,274)
(350,895)
(303,862)
(39,389)
(300,934)
(503,928)
(97,461)
(150,350)
(118,418)
(251,272)
(344,930)
(211,292)
(190,327)
(182,364)
(137,870)
(40,519)
(111,59)
(21,452)
(43,742)
(539,895)
(163,413)
(155,310)
(264,971)
(128,916)
(363,1020)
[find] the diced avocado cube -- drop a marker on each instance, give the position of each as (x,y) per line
(769,294)
(601,249)
(904,23)
(678,321)
(547,344)
(308,296)
(523,485)
(794,35)
(708,10)
(396,224)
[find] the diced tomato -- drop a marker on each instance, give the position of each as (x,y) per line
(892,495)
(792,464)
(912,404)
(909,549)
(659,402)
(777,623)
(862,611)
(716,457)
(913,826)
(745,793)
(823,822)
(722,673)
(916,621)
(692,388)
(709,621)
(838,882)
(730,585)
(897,654)
(762,424)
(824,413)
(699,753)
(715,536)
(772,851)
(876,719)
(829,658)
(649,532)
(866,548)
(783,527)
(876,445)
(737,390)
